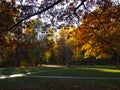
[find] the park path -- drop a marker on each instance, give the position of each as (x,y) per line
(74,77)
(54,77)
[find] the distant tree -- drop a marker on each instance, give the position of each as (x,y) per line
(39,40)
(65,45)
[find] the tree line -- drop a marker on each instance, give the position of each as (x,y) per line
(96,39)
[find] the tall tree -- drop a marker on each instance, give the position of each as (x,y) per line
(100,37)
(39,40)
(65,45)
(8,17)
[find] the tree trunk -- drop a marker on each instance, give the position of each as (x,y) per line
(68,57)
(116,57)
(69,63)
(17,57)
(1,54)
(26,55)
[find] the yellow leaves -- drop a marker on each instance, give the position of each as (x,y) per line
(86,46)
(89,50)
(63,33)
(103,55)
(47,55)
(71,29)
(67,36)
(30,27)
(7,39)
(27,30)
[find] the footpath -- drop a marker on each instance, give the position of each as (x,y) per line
(55,77)
(27,75)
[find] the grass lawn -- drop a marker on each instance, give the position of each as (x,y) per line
(91,71)
(35,83)
(57,84)
(22,70)
(88,71)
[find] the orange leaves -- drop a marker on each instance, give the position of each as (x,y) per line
(99,34)
(27,30)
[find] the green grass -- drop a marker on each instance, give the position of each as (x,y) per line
(88,71)
(21,70)
(58,84)
(78,72)
(36,83)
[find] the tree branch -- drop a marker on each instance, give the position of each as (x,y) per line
(96,17)
(82,3)
(27,17)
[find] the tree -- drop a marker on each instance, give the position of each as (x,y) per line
(8,17)
(11,12)
(56,11)
(65,45)
(100,37)
(39,40)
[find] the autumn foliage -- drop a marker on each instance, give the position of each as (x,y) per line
(99,33)
(64,32)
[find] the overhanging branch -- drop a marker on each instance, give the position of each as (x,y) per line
(82,3)
(95,16)
(27,17)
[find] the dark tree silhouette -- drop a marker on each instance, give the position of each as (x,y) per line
(53,11)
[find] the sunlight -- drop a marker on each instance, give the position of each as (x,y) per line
(110,70)
(29,73)
(13,76)
(17,75)
(3,77)
(52,65)
(102,69)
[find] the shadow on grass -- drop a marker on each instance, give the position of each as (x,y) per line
(31,83)
(57,84)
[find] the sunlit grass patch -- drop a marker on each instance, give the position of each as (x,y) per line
(103,69)
(85,71)
(82,71)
